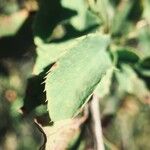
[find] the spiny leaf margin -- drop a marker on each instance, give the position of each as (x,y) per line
(75,76)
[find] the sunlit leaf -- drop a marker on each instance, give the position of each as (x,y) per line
(126,14)
(50,53)
(74,77)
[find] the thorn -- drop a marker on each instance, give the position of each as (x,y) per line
(45,77)
(43,82)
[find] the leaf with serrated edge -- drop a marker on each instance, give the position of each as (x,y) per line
(74,77)
(50,53)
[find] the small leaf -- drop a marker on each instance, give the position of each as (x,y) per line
(127,55)
(144,67)
(84,18)
(74,77)
(129,82)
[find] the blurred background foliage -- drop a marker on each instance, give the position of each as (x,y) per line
(27,24)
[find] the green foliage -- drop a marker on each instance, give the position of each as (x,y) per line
(75,76)
(53,52)
(144,66)
(131,83)
(84,18)
(127,55)
(144,36)
(80,50)
(123,21)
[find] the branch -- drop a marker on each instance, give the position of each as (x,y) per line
(95,111)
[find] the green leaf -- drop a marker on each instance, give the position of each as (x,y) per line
(129,82)
(144,30)
(145,63)
(118,24)
(75,76)
(143,37)
(50,53)
(84,18)
(104,10)
(127,55)
(146,10)
(77,21)
(127,13)
(144,66)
